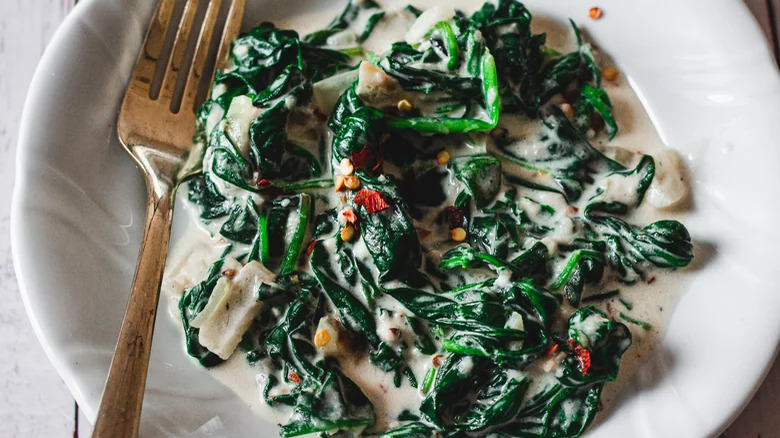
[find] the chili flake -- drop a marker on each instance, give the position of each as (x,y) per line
(594,13)
(349,215)
(372,200)
(455,216)
(364,159)
(294,377)
(582,354)
(310,248)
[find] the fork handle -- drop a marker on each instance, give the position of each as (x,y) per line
(120,409)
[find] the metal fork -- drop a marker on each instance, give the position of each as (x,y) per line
(158,136)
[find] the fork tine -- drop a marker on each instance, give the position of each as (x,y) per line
(141,79)
(199,59)
(232,28)
(177,53)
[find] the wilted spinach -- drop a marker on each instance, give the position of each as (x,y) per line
(546,218)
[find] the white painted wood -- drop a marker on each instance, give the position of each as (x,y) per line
(33,400)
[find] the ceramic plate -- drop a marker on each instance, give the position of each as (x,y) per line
(702,70)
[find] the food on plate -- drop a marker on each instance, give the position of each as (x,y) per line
(425,223)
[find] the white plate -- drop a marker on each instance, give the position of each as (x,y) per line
(703,71)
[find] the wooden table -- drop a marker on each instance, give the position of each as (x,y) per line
(33,400)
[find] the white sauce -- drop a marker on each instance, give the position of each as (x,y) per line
(651,303)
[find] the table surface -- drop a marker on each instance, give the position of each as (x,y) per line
(34,401)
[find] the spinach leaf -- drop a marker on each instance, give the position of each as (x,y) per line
(336,404)
(191,304)
(445,125)
(241,225)
(363,128)
(267,137)
(573,412)
(353,314)
(453,381)
(389,235)
(352,13)
(665,243)
(347,104)
(481,174)
(584,266)
(498,402)
(567,164)
(595,347)
(596,99)
(410,430)
(202,191)
(464,257)
(296,242)
(264,52)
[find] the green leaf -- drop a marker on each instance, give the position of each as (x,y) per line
(604,339)
(202,191)
(191,304)
(336,404)
(296,242)
(498,402)
(452,382)
(597,98)
(389,235)
(481,174)
(241,225)
(583,267)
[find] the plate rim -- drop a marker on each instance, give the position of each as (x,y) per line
(22,162)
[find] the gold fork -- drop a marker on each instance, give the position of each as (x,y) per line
(159,138)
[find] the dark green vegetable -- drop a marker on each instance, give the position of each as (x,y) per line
(665,243)
(374,260)
(570,161)
(447,125)
(583,267)
(191,304)
(337,403)
(202,191)
(388,234)
(605,342)
(481,174)
(353,314)
(452,382)
(296,243)
(644,325)
(241,226)
(347,17)
(498,402)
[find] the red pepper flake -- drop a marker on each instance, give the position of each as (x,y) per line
(372,200)
(378,167)
(294,377)
(455,216)
(364,159)
(350,216)
(310,248)
(582,354)
(552,349)
(263,183)
(320,115)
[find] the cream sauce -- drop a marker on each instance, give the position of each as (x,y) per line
(651,302)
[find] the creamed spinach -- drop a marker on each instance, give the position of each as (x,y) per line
(436,211)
